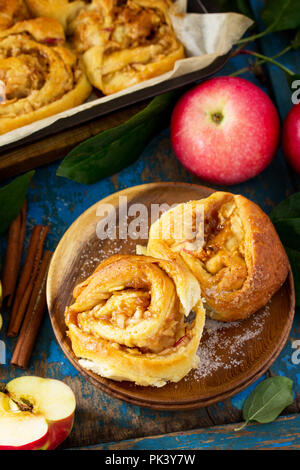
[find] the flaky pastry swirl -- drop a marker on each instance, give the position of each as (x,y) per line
(12,11)
(63,11)
(40,76)
(130,320)
(241,262)
(125,42)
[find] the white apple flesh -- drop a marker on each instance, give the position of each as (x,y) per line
(49,421)
(21,430)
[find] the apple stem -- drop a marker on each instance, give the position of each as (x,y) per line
(269,59)
(268,30)
(23,404)
(217,117)
(255,36)
(259,62)
(263,60)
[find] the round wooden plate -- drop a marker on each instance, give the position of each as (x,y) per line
(233,355)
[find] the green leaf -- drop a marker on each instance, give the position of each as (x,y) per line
(280,15)
(268,400)
(289,232)
(286,219)
(11,199)
(287,209)
(116,148)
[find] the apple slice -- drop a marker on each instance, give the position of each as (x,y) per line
(21,430)
(51,406)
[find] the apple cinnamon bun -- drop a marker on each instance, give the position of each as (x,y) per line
(137,319)
(12,11)
(63,11)
(125,42)
(39,75)
(240,262)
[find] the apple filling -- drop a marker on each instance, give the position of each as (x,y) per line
(123,314)
(124,43)
(138,309)
(221,265)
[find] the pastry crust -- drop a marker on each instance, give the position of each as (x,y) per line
(41,76)
(12,11)
(240,263)
(63,11)
(125,44)
(117,44)
(129,320)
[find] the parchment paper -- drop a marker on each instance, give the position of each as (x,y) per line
(204,36)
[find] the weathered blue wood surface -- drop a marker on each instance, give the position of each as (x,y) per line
(281,435)
(58,202)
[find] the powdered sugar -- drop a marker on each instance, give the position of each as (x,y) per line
(91,257)
(223,344)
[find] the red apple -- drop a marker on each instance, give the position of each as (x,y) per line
(291,137)
(48,419)
(21,430)
(225,130)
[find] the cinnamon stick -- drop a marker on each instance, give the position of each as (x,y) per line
(14,250)
(27,278)
(33,317)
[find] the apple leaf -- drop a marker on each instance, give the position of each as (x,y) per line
(11,199)
(280,15)
(114,149)
(286,219)
(289,231)
(268,400)
(288,208)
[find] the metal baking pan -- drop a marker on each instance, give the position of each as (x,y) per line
(194,6)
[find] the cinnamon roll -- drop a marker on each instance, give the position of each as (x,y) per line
(238,260)
(12,11)
(63,11)
(125,42)
(138,319)
(39,75)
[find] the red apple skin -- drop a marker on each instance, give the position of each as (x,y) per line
(37,445)
(59,431)
(237,148)
(291,137)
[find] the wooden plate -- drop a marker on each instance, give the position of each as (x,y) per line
(232,355)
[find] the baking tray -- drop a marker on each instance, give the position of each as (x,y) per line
(194,6)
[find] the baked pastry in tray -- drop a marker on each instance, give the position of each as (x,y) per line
(137,318)
(63,11)
(12,11)
(238,259)
(39,75)
(125,42)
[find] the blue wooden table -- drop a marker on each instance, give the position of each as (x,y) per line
(100,419)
